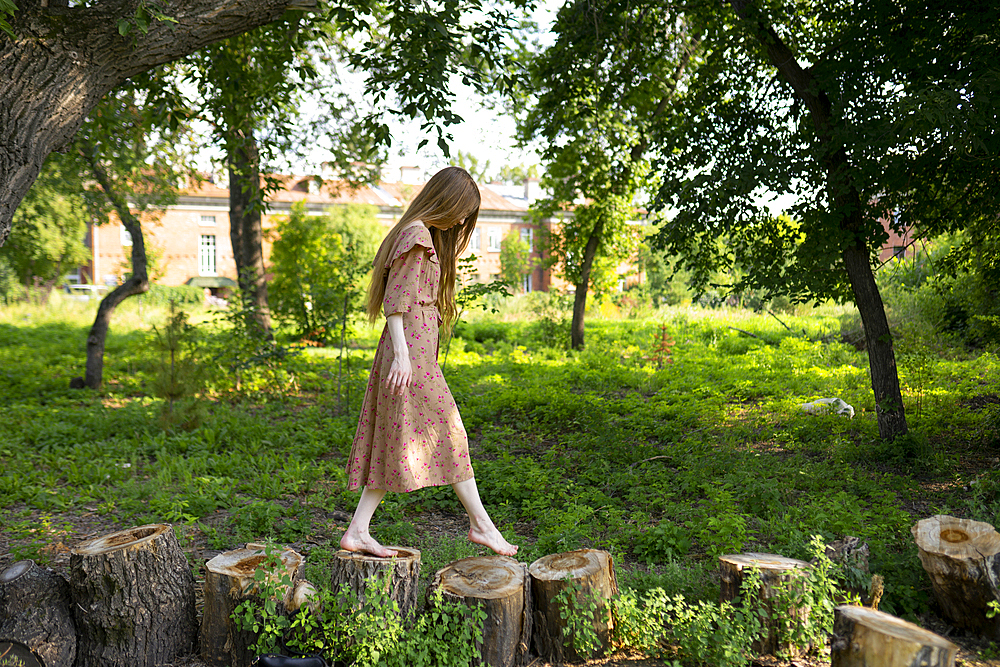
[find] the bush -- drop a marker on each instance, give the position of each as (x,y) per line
(179,295)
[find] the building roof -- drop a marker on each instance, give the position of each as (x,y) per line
(329,192)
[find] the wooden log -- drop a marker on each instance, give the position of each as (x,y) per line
(354,569)
(133,596)
(776,572)
(961,559)
(592,572)
(501,586)
(230,579)
(864,637)
(36,610)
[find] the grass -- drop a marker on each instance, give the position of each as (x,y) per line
(666,465)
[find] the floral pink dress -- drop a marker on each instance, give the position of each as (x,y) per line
(415,440)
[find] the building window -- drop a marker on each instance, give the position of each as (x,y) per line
(527,237)
(474,241)
(474,279)
(126,237)
(899,251)
(493,239)
(207,221)
(526,283)
(206,255)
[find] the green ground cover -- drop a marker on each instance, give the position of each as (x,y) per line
(667,456)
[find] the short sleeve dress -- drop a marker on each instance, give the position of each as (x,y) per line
(417,439)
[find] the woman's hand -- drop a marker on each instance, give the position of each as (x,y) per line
(400,374)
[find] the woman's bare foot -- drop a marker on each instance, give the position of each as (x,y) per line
(494,540)
(355,541)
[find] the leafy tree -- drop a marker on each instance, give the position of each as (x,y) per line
(596,131)
(470,163)
(51,225)
(58,62)
(852,109)
(517,174)
(319,263)
(515,260)
(53,79)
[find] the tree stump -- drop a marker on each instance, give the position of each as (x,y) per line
(592,573)
(230,579)
(133,596)
(15,654)
(961,558)
(865,637)
(403,571)
(501,586)
(775,572)
(36,610)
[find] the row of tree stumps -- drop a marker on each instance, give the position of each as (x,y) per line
(130,600)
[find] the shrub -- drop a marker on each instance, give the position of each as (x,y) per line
(179,295)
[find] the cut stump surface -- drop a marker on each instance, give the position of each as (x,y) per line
(962,559)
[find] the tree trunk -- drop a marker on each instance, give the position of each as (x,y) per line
(881,358)
(355,569)
(962,558)
(246,205)
(133,597)
(592,573)
(229,581)
(137,283)
(846,202)
(776,572)
(501,586)
(867,638)
(63,60)
(580,297)
(36,609)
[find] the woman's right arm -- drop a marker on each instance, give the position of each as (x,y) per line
(400,372)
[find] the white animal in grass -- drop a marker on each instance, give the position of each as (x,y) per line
(825,405)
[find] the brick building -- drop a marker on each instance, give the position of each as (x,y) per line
(190,244)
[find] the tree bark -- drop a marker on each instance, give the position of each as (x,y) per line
(962,559)
(355,569)
(867,638)
(246,205)
(36,610)
(501,586)
(592,572)
(580,297)
(137,283)
(133,596)
(845,201)
(775,572)
(63,60)
(229,581)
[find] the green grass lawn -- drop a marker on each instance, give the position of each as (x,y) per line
(665,462)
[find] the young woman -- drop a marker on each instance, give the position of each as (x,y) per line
(410,434)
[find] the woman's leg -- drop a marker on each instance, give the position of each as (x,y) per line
(357,537)
(481,528)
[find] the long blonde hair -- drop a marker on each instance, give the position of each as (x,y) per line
(449,197)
